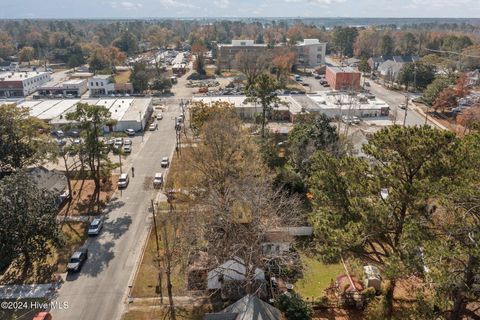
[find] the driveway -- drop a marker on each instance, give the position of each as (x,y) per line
(99,290)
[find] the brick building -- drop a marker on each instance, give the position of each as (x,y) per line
(343,78)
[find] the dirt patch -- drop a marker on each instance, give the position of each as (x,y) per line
(122,77)
(82,203)
(338,314)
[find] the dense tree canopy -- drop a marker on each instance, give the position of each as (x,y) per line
(28,227)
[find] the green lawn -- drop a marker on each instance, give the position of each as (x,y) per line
(316,277)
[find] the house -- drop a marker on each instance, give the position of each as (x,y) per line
(51,180)
(343,78)
(473,78)
(375,62)
(229,279)
(21,84)
(311,53)
(249,307)
(276,242)
(389,67)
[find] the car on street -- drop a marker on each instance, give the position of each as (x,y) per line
(350,119)
(367,84)
(123,180)
(298,78)
(326,85)
(127,148)
(77,260)
(165,162)
(305,84)
(130,132)
(158,179)
(153,126)
(317,76)
(402,106)
(95,226)
(180,118)
(118,143)
(159,116)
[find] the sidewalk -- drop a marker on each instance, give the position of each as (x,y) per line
(25,291)
(419,110)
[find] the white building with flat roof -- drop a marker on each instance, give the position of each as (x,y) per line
(284,111)
(69,88)
(130,113)
(21,84)
(311,53)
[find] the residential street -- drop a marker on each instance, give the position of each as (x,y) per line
(99,291)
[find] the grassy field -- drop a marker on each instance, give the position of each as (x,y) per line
(317,277)
(44,271)
(146,280)
(122,77)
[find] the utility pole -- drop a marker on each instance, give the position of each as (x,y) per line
(406,108)
(158,253)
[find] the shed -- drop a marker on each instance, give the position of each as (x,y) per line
(249,307)
(372,277)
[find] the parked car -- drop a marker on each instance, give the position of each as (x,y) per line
(367,84)
(350,119)
(127,148)
(159,116)
(298,78)
(61,141)
(58,133)
(326,85)
(317,76)
(77,260)
(158,180)
(95,226)
(165,162)
(118,142)
(127,142)
(123,180)
(180,118)
(130,132)
(109,142)
(305,84)
(402,106)
(153,126)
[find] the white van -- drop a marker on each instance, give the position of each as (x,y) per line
(123,180)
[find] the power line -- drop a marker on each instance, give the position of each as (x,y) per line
(453,52)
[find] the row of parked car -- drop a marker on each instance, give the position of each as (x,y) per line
(79,257)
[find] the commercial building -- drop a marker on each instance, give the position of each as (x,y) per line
(226,53)
(103,85)
(334,105)
(21,84)
(129,113)
(342,78)
(311,53)
(69,88)
(284,111)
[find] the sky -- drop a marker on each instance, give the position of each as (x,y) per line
(237,8)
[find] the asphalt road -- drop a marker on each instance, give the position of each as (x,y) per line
(99,290)
(394,99)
